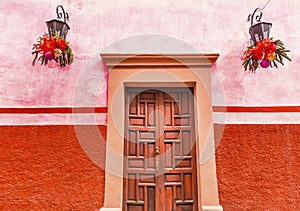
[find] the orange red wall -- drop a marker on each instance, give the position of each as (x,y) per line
(258,166)
(45,168)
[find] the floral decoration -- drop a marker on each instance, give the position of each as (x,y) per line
(264,53)
(52,48)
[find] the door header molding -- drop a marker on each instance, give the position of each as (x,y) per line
(158,60)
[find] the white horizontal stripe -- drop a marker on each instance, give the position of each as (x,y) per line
(53,119)
(100,119)
(256,118)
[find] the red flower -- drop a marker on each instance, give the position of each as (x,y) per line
(52,46)
(61,43)
(262,50)
(265,50)
(269,47)
(48,44)
(258,53)
(51,43)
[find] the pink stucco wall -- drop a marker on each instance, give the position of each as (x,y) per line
(209,26)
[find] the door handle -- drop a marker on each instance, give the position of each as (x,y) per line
(157,150)
(157,158)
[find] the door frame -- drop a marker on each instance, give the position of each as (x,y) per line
(191,70)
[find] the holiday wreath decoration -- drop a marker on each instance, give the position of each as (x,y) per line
(53,45)
(263,51)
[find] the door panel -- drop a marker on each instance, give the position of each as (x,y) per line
(159,151)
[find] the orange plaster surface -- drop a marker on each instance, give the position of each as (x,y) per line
(258,167)
(45,168)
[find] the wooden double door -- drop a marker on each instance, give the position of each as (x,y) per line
(159,150)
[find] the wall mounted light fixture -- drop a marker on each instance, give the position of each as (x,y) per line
(260,30)
(263,51)
(53,46)
(57,26)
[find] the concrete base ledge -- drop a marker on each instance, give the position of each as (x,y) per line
(212,208)
(204,208)
(110,209)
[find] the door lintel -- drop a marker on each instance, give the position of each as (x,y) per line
(158,60)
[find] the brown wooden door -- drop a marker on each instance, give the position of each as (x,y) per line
(159,151)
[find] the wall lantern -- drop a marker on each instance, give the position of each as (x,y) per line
(53,46)
(263,51)
(260,30)
(59,27)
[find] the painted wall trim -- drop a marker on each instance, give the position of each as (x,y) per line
(256,118)
(256,114)
(212,208)
(53,110)
(222,109)
(158,61)
(260,109)
(53,119)
(97,115)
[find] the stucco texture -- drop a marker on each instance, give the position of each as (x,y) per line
(258,167)
(45,168)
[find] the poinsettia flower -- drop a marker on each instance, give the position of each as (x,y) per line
(265,50)
(52,45)
(61,43)
(48,44)
(258,53)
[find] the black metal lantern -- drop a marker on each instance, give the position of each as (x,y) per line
(260,30)
(59,27)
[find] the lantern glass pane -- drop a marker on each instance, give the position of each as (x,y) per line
(260,31)
(58,27)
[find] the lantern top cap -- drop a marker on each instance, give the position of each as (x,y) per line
(259,23)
